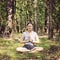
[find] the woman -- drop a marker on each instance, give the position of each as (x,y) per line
(29,38)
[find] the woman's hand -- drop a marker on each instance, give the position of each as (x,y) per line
(31,41)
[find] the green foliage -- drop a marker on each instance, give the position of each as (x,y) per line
(27,10)
(56,15)
(3,10)
(41,13)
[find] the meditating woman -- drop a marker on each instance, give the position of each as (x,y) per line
(29,38)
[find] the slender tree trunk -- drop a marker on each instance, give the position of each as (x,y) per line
(35,15)
(0,17)
(14,17)
(59,25)
(46,16)
(59,17)
(0,13)
(0,25)
(21,16)
(50,32)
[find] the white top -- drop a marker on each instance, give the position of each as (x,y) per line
(30,36)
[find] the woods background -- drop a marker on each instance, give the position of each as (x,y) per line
(44,14)
(45,17)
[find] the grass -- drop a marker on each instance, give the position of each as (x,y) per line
(8,50)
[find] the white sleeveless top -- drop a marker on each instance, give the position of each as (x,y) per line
(31,35)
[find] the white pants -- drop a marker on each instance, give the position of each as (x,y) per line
(35,49)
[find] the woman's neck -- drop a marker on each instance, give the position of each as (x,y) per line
(29,31)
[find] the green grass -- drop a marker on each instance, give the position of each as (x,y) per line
(8,50)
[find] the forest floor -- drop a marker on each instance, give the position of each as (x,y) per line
(8,50)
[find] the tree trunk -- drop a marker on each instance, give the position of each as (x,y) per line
(46,17)
(0,18)
(20,17)
(35,15)
(0,26)
(14,17)
(10,16)
(50,32)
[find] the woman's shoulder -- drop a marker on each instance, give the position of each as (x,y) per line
(34,32)
(24,32)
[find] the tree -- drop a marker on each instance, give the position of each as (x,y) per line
(46,16)
(50,32)
(21,16)
(35,15)
(10,9)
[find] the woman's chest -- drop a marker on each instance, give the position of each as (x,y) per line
(30,36)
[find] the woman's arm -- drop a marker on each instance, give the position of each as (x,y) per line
(36,39)
(22,39)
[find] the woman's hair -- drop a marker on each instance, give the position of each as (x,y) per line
(29,23)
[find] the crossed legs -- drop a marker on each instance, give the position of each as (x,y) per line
(35,49)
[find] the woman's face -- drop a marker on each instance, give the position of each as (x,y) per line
(30,27)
